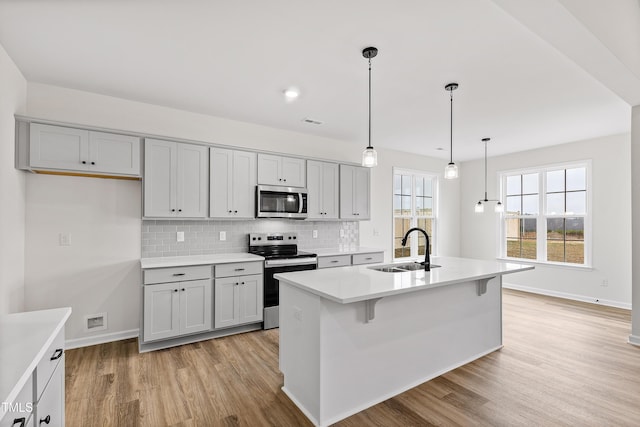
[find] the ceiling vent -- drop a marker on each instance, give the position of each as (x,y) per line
(311,121)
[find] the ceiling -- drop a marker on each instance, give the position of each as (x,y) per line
(233,59)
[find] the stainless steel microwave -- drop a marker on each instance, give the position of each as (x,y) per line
(281,202)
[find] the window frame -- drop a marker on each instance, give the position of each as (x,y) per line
(542,216)
(413,217)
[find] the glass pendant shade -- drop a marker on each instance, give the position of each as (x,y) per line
(479,207)
(369,157)
(451,171)
(499,207)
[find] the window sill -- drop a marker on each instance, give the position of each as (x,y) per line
(548,264)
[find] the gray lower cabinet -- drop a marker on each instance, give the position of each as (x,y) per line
(350,259)
(238,300)
(177,308)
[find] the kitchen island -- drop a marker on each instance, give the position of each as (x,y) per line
(352,337)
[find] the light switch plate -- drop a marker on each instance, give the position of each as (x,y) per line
(315,234)
(64,239)
(223,235)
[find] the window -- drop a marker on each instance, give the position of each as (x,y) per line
(414,205)
(547,214)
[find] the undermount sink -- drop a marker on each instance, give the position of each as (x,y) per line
(401,268)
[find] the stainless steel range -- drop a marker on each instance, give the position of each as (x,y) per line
(281,254)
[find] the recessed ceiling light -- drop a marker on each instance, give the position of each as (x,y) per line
(291,94)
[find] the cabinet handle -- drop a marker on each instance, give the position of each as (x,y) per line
(57,354)
(279,179)
(93,163)
(229,211)
(285,180)
(175,290)
(183,289)
(19,421)
(179,210)
(46,419)
(242,283)
(239,269)
(173,210)
(235,211)
(334,261)
(368,259)
(179,274)
(237,283)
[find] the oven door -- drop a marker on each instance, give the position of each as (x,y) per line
(272,289)
(281,202)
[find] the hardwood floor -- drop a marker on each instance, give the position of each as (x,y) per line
(563,363)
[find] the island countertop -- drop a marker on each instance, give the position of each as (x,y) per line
(24,338)
(360,283)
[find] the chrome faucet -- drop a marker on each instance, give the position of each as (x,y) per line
(427,261)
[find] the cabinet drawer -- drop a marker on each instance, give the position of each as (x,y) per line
(238,269)
(48,364)
(334,261)
(373,258)
(21,408)
(176,274)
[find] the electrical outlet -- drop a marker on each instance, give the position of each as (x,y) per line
(64,239)
(180,236)
(315,234)
(223,236)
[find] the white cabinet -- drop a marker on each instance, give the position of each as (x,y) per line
(176,308)
(50,407)
(280,170)
(322,188)
(70,149)
(176,179)
(354,192)
(233,181)
(238,300)
(328,261)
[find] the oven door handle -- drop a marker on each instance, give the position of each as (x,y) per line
(289,262)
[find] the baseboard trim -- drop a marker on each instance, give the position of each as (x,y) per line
(565,295)
(634,340)
(101,339)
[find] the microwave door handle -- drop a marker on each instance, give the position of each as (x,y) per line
(300,203)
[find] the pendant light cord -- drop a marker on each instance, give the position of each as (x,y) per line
(369,146)
(451,128)
(485,172)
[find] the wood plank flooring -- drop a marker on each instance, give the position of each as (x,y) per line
(563,363)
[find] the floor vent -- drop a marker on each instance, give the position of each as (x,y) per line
(95,322)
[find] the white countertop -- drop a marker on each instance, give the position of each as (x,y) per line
(345,251)
(24,337)
(360,283)
(182,261)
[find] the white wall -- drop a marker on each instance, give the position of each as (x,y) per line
(13,97)
(66,273)
(611,196)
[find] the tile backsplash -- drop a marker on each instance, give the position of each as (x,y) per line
(159,237)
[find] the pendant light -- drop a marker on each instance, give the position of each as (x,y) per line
(369,155)
(451,171)
(480,205)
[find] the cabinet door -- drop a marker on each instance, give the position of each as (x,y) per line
(192,181)
(244,181)
(112,153)
(161,311)
(347,205)
(226,302)
(362,192)
(160,162)
(315,192)
(293,172)
(250,299)
(195,306)
(269,169)
(330,190)
(57,147)
(220,198)
(50,407)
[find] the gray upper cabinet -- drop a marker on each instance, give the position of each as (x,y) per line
(354,192)
(323,190)
(176,180)
(70,149)
(233,181)
(281,170)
